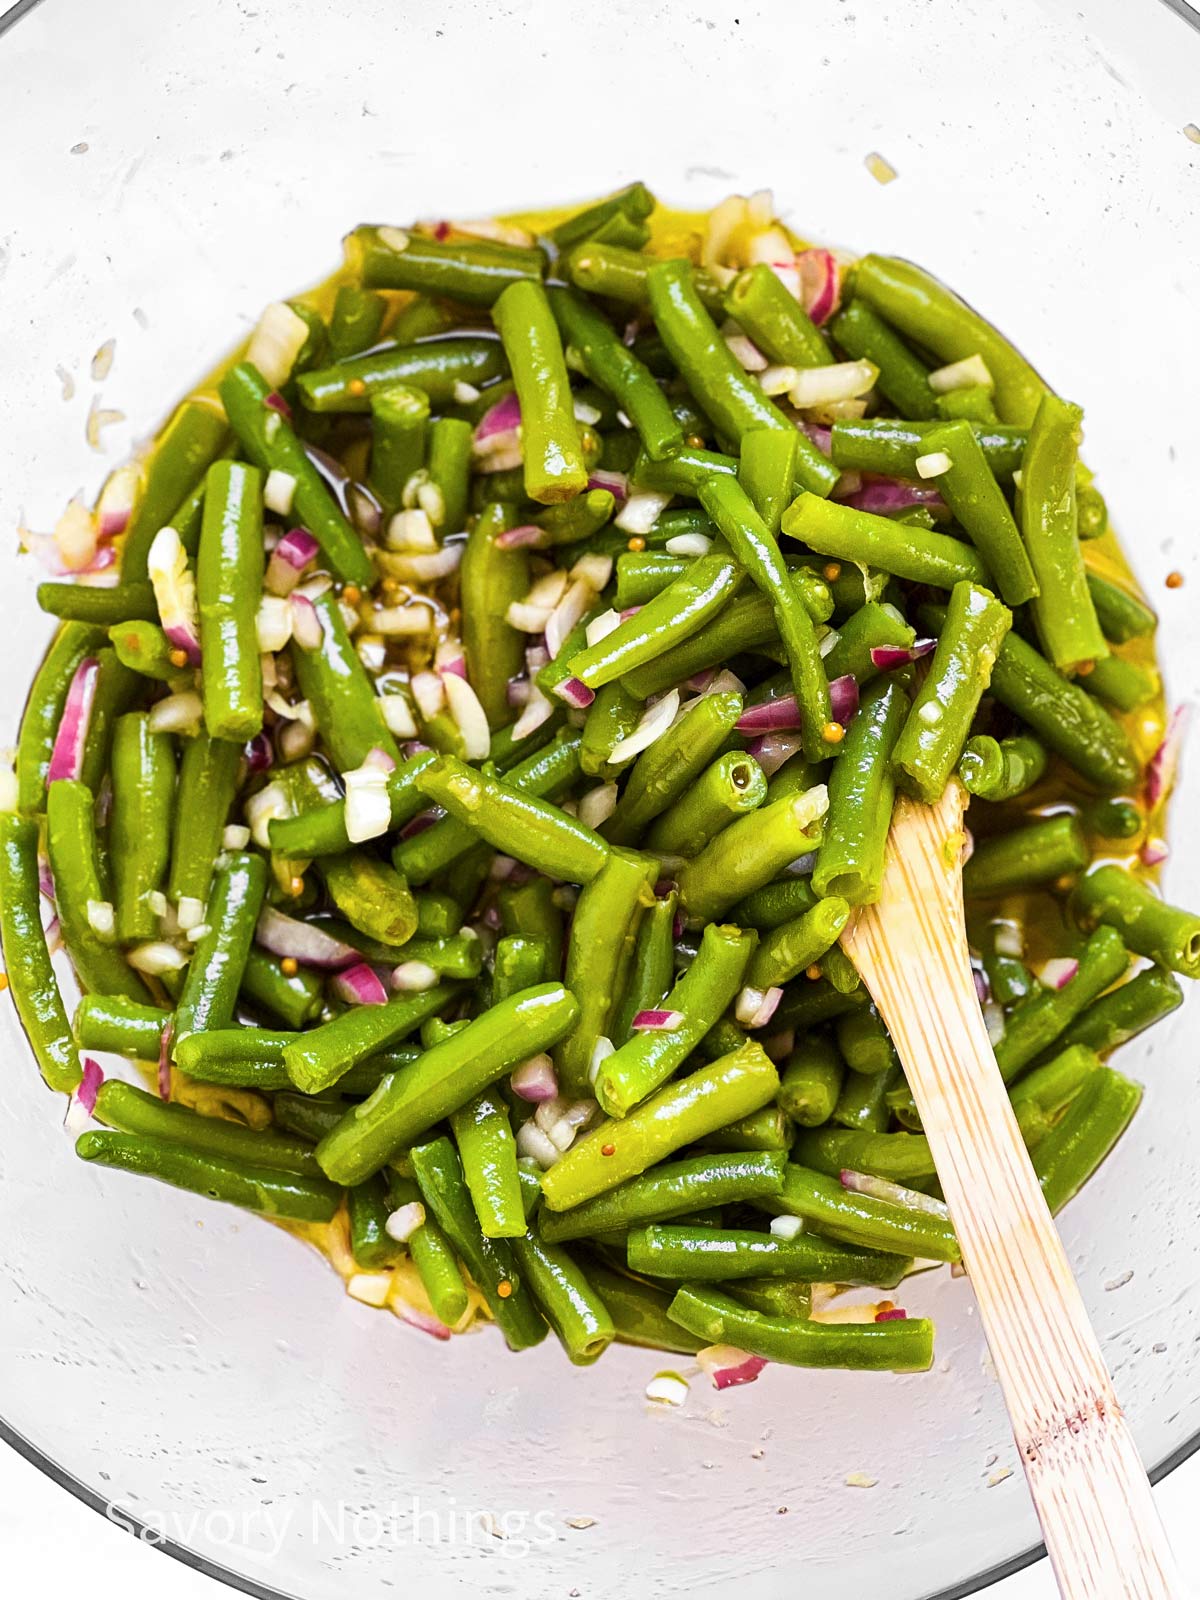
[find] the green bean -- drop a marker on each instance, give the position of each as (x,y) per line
(767,471)
(603,931)
(806,1004)
(765,310)
(755,547)
(1123,683)
(732,786)
(131,1110)
(746,623)
(864,1043)
(214,974)
(1054,1084)
(143,785)
(73,644)
(491,579)
(871,627)
(355,322)
(902,1157)
(102,607)
(435,366)
(574,1310)
(74,864)
(891,447)
(670,1190)
(787,951)
(475,271)
(399,438)
(648,1059)
(144,648)
(939,720)
(125,1027)
(679,1114)
(616,370)
(441,1276)
(639,1311)
(256,1188)
(27,958)
(811,1081)
(1121,614)
(679,611)
(716,1255)
(1001,769)
(1042,852)
(900,1346)
(612,716)
(297,1113)
(488,1153)
(571,521)
(1036,1022)
(684,471)
(407,1104)
(208,781)
(1059,713)
(1123,1013)
(1112,897)
(515,821)
(745,856)
(1008,977)
(517,964)
(229,573)
(448,462)
(554,466)
(182,454)
(371,895)
(619,274)
(926,311)
(766,1130)
(489,1261)
(651,969)
(271,442)
(861,789)
(860,1220)
(774,904)
(903,379)
(335,683)
(1063,611)
(367,1209)
(774,1297)
(324,1055)
(973,402)
(977,501)
(530,912)
(1070,1153)
(634,202)
(731,398)
(915,554)
(296,999)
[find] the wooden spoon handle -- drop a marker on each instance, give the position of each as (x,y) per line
(1089,1487)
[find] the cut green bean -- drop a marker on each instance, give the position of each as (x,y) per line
(901,1346)
(717,1255)
(811,1081)
(214,974)
(977,501)
(861,790)
(1114,898)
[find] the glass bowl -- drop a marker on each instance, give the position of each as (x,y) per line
(168,171)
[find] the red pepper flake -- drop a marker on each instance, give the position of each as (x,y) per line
(441,230)
(608,1149)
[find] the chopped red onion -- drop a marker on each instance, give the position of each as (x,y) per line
(303,942)
(656,1021)
(418,824)
(1164,763)
(275,402)
(843,698)
(417,1318)
(771,750)
(536,657)
(1056,973)
(575,692)
(66,757)
(1153,853)
(886,497)
(820,283)
(983,991)
(781,715)
(296,550)
(516,691)
(894,1193)
(259,754)
(503,417)
(359,986)
(306,624)
(896,1314)
(887,657)
(535,1080)
(729,1366)
(819,435)
(525,536)
(754,1008)
(701,680)
(617,483)
(380,759)
(89,1084)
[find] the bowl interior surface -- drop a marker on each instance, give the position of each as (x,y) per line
(166,173)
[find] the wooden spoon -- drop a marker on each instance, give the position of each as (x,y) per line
(1089,1487)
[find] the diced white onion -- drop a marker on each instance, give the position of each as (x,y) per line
(274,624)
(537,710)
(933,464)
(548,590)
(969,373)
(667,1389)
(586,414)
(372,652)
(235,837)
(270,801)
(470,716)
(777,380)
(594,570)
(422,568)
(101,918)
(371,1288)
(787,1227)
(200,931)
(465,394)
(641,511)
(413,977)
(810,806)
(526,618)
(598,804)
(404,622)
(276,342)
(177,713)
(279,491)
(411,531)
(745,352)
(368,809)
(156,957)
(654,723)
(190,912)
(569,610)
(533,1143)
(397,716)
(601,1050)
(600,627)
(404,1222)
(688,544)
(429,691)
(844,380)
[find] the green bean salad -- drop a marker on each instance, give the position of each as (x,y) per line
(474,723)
